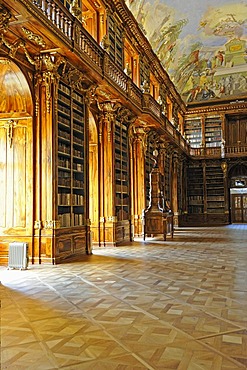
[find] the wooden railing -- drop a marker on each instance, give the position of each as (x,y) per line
(72,32)
(239,149)
(59,16)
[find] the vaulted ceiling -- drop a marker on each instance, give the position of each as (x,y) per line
(201,44)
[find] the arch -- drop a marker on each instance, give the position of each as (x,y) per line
(16,98)
(238,170)
(16,157)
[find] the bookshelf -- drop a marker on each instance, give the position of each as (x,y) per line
(122,172)
(195,189)
(70,169)
(213,131)
(115,33)
(193,131)
(144,70)
(149,163)
(215,188)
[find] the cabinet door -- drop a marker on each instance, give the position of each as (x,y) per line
(239,208)
(244,200)
(236,131)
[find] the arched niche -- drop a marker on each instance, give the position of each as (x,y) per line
(16,157)
(93,178)
(16,98)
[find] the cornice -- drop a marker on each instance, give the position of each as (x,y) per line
(224,107)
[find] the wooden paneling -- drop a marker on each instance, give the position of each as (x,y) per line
(16,177)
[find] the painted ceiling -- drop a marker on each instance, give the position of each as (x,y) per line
(202,44)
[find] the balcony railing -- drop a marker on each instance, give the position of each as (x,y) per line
(239,149)
(73,33)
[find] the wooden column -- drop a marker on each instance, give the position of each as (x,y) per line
(107,110)
(45,212)
(174,196)
(224,167)
(138,188)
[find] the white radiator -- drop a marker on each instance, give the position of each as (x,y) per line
(18,256)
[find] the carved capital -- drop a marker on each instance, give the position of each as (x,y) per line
(108,111)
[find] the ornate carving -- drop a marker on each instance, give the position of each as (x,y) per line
(105,43)
(9,126)
(76,10)
(51,224)
(125,115)
(37,225)
(224,168)
(47,73)
(108,110)
(5,16)
(37,39)
(145,87)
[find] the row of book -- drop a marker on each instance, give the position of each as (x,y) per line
(71,219)
(64,199)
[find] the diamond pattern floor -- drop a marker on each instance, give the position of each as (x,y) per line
(179,304)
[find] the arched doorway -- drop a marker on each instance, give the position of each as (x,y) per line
(238,193)
(93,179)
(16,157)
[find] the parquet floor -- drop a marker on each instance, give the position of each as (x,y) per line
(179,304)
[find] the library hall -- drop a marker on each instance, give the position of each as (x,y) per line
(123,185)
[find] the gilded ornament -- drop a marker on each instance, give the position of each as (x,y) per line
(37,39)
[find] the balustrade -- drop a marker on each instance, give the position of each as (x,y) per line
(83,42)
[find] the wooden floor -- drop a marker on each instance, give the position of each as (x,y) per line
(179,304)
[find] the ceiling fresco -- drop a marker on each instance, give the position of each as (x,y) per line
(202,44)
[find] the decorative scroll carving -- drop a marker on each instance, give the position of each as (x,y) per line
(125,115)
(5,16)
(37,39)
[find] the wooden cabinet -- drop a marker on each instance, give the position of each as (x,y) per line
(239,208)
(236,130)
(206,192)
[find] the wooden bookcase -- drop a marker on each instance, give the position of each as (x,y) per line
(70,170)
(215,189)
(195,189)
(193,131)
(149,163)
(115,33)
(213,131)
(122,172)
(144,70)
